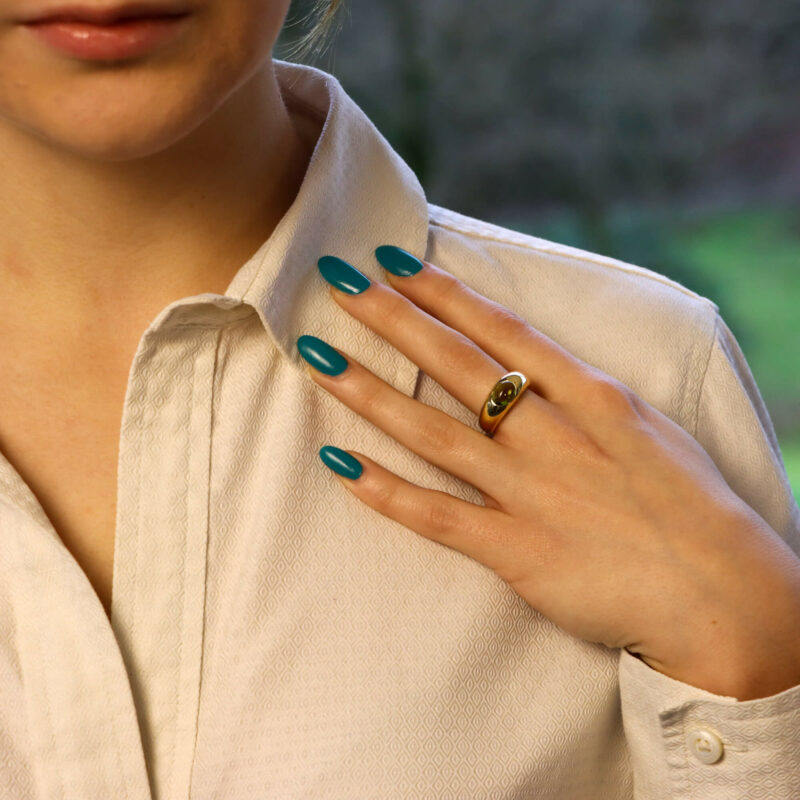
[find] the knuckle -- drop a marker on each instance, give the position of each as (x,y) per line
(370,394)
(506,323)
(393,310)
(612,395)
(436,435)
(383,497)
(441,517)
(448,287)
(461,356)
(584,448)
(570,438)
(533,554)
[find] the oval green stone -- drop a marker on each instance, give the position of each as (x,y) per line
(501,396)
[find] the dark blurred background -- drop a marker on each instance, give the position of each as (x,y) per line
(661,133)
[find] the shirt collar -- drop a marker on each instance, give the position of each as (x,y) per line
(357,194)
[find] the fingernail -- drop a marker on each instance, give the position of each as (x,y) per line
(341,462)
(397,261)
(321,356)
(342,275)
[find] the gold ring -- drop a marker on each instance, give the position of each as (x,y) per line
(504,394)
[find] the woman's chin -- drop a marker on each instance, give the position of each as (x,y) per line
(108,141)
(108,126)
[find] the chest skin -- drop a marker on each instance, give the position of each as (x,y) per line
(60,429)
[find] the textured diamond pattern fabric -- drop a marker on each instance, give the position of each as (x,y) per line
(271,636)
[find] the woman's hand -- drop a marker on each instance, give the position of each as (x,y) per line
(601,512)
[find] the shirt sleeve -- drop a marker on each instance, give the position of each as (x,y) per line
(686,742)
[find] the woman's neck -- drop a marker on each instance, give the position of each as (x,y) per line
(113,241)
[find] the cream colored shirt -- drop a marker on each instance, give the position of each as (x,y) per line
(272,637)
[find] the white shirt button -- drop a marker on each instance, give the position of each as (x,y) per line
(704,745)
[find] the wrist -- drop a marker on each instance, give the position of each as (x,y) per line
(758,648)
(744,662)
(749,679)
(750,652)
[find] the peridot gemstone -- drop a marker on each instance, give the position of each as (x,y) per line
(502,394)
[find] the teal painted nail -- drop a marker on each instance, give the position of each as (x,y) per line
(397,261)
(321,356)
(342,275)
(341,462)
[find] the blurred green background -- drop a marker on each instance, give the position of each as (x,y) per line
(661,133)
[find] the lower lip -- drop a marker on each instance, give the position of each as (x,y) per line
(125,39)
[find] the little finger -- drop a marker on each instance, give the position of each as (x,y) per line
(485,534)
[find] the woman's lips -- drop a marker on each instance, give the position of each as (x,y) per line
(126,38)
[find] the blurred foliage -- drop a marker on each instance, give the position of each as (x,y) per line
(646,131)
(506,104)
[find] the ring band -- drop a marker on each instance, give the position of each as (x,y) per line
(501,398)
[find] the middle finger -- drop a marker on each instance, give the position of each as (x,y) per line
(448,356)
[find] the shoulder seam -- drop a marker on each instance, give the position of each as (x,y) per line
(612,263)
(701,385)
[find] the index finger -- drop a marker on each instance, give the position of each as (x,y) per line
(449,357)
